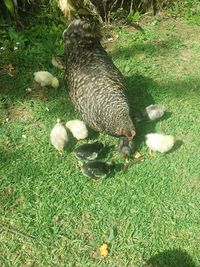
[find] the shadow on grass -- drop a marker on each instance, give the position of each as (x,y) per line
(177,145)
(158,47)
(92,134)
(106,151)
(70,145)
(140,89)
(171,258)
(139,97)
(138,92)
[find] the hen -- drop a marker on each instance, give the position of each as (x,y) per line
(96,87)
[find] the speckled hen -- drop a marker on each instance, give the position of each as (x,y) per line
(96,87)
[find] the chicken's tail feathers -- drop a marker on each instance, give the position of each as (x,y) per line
(82,32)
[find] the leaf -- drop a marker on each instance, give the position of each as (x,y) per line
(137,155)
(10,6)
(150,152)
(10,67)
(66,6)
(133,16)
(104,250)
(127,68)
(83,11)
(13,34)
(111,235)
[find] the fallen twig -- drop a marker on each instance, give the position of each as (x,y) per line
(8,228)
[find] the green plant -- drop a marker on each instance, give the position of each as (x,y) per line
(11,6)
(133,17)
(189,10)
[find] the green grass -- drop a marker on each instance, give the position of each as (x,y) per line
(50,214)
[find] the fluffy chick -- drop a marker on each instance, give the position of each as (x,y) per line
(160,142)
(155,111)
(96,169)
(126,147)
(88,151)
(58,136)
(77,128)
(45,78)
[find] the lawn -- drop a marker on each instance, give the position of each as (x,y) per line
(52,215)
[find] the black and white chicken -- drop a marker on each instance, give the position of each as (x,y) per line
(96,87)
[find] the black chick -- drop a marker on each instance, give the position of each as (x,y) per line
(126,147)
(96,169)
(88,151)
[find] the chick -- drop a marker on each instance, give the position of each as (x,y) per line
(45,78)
(88,151)
(126,147)
(96,169)
(58,136)
(159,142)
(155,111)
(78,129)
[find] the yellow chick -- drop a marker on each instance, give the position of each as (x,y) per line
(45,78)
(77,128)
(58,136)
(160,142)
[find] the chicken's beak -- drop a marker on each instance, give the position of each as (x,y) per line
(131,135)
